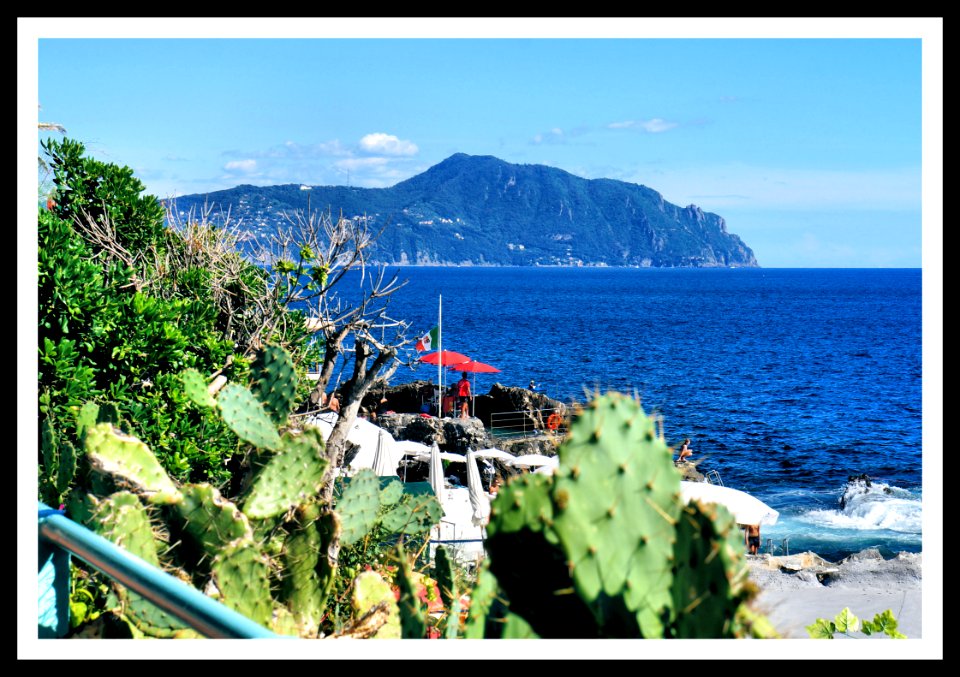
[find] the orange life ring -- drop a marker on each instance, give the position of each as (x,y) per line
(554,421)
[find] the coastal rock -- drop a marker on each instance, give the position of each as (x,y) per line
(689,472)
(903,571)
(450,434)
(530,408)
(403,398)
(861,570)
(863,555)
(545,445)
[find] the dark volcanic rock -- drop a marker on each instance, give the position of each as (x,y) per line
(532,407)
(545,445)
(450,434)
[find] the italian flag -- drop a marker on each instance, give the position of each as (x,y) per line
(428,340)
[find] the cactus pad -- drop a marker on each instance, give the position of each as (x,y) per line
(122,519)
(127,457)
(68,466)
(710,570)
(275,382)
(240,572)
(195,387)
(48,443)
(290,477)
(87,417)
(443,573)
(413,624)
(391,492)
(370,590)
(413,514)
(210,520)
(247,418)
(358,506)
(301,585)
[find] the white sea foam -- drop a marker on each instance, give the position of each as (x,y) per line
(877,507)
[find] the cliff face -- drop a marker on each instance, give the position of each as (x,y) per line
(481,210)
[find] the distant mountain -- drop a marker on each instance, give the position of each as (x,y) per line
(480,210)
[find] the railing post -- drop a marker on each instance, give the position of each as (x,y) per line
(53,590)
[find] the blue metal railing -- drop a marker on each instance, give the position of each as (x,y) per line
(205,615)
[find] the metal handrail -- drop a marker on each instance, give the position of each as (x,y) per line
(714,475)
(203,614)
(518,423)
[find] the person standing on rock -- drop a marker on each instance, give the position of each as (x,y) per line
(752,534)
(463,392)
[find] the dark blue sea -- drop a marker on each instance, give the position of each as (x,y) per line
(787,381)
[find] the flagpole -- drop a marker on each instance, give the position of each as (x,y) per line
(440,354)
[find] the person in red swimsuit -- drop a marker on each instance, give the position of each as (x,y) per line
(463,392)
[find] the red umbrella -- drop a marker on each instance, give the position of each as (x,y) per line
(474,366)
(448,357)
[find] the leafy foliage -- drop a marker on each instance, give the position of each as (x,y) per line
(846,623)
(126,304)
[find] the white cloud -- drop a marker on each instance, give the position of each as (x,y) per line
(387,144)
(652,126)
(247,166)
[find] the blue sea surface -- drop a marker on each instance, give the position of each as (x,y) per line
(787,381)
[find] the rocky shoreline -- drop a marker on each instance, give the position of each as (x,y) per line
(796,590)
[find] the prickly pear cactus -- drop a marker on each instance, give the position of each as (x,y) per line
(443,573)
(67,468)
(195,387)
(87,417)
(109,413)
(301,585)
(370,591)
(520,531)
(210,520)
(48,444)
(122,520)
(616,498)
(51,462)
(275,382)
(290,477)
(328,565)
(482,599)
(617,554)
(413,623)
(358,506)
(247,417)
(114,453)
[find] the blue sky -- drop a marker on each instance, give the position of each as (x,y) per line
(810,148)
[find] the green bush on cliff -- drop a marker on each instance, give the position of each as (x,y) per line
(126,303)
